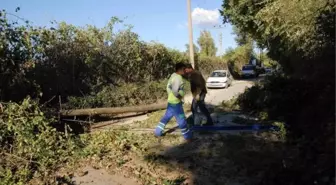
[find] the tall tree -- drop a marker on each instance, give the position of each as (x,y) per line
(241,38)
(196,49)
(207,44)
(285,27)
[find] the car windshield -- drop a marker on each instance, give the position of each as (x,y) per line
(218,74)
(247,67)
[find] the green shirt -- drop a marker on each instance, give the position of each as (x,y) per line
(175,88)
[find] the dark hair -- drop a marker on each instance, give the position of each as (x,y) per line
(189,66)
(179,66)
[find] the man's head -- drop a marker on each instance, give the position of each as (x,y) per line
(180,68)
(188,68)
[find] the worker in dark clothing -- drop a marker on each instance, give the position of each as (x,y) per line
(199,91)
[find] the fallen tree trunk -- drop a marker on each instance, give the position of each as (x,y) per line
(113,110)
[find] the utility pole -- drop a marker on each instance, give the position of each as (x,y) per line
(191,42)
(220,43)
(219,27)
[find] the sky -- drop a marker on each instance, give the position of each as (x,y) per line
(164,21)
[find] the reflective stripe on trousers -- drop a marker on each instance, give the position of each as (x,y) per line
(177,111)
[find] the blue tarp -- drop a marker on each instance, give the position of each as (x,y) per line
(236,127)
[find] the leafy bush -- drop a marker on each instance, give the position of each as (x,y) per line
(304,97)
(266,60)
(237,58)
(30,147)
(230,105)
(71,61)
(125,95)
(16,60)
(266,97)
(208,64)
(309,125)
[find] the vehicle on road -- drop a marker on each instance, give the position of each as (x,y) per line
(219,79)
(249,71)
(268,71)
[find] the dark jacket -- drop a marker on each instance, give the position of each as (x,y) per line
(197,83)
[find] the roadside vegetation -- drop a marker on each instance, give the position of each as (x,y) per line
(99,67)
(38,154)
(300,36)
(79,63)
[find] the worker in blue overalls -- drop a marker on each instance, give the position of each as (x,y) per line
(176,92)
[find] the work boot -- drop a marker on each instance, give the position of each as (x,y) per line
(158,132)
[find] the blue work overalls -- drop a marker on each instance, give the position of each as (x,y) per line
(174,109)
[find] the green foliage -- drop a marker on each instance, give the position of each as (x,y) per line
(298,104)
(196,49)
(125,95)
(282,132)
(241,38)
(266,60)
(89,64)
(293,21)
(16,46)
(208,64)
(237,58)
(264,97)
(30,147)
(294,32)
(71,61)
(177,56)
(207,44)
(230,105)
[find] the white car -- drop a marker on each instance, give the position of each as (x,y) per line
(219,79)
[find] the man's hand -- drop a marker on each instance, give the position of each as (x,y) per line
(197,97)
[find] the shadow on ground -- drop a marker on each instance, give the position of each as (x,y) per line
(251,79)
(217,158)
(214,158)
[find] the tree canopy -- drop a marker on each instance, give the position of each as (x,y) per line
(241,38)
(207,44)
(196,49)
(289,29)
